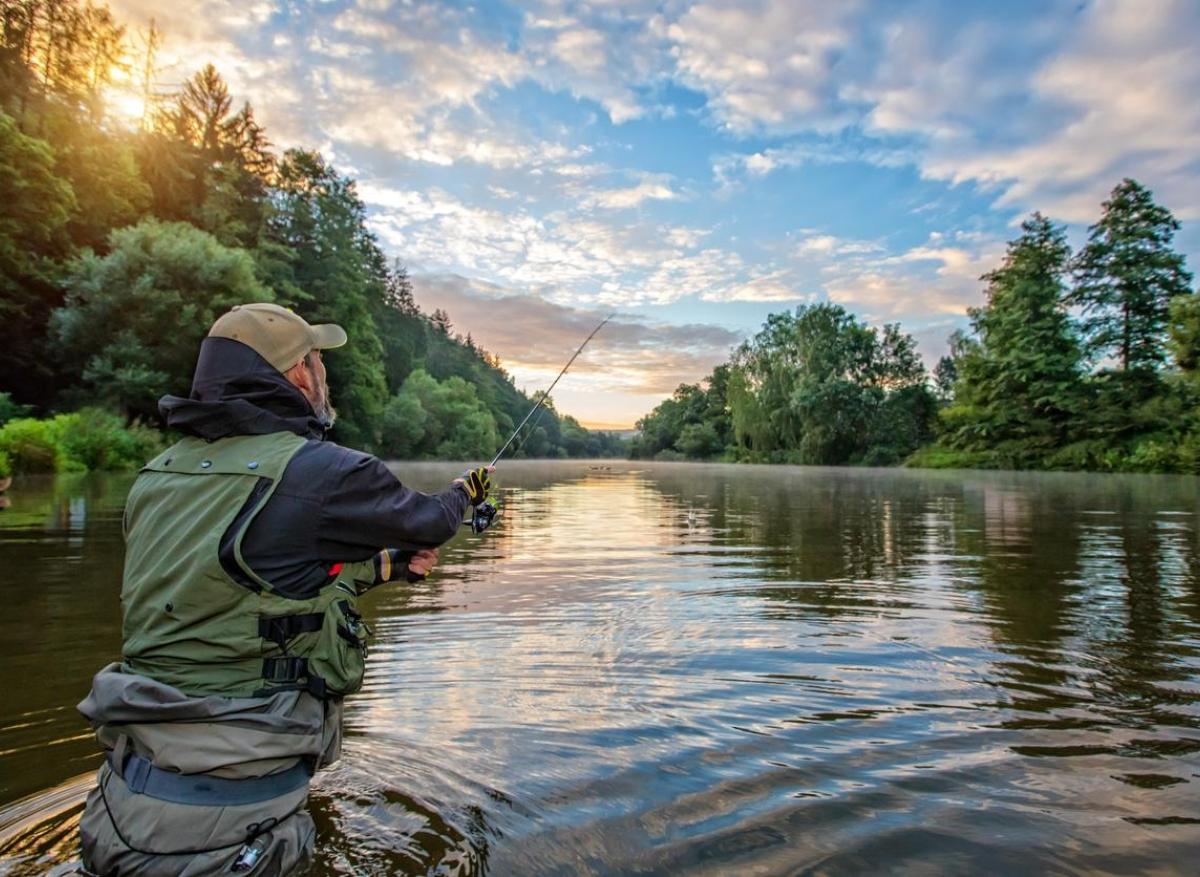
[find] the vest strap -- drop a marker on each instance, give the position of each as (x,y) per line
(281,628)
(143,778)
(291,672)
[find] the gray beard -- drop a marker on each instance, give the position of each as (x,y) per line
(324,411)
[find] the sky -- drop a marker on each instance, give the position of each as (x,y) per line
(696,166)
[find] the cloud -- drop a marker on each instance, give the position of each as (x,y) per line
(764,65)
(825,246)
(607,53)
(652,188)
(569,256)
(534,337)
(1112,95)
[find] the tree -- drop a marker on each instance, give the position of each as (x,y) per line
(225,156)
(35,207)
(445,419)
(1184,332)
(335,272)
(134,318)
(1126,277)
(1019,383)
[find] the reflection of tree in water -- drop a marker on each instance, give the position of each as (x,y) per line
(843,541)
(1140,658)
(62,554)
(1017,549)
(1076,584)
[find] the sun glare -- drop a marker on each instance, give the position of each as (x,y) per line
(125,106)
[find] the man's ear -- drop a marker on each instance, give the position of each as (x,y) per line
(300,377)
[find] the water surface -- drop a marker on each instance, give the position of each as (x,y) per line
(676,668)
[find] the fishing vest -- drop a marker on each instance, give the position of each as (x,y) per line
(195,615)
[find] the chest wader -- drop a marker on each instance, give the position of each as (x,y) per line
(211,650)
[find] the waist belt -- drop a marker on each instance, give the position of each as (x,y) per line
(143,778)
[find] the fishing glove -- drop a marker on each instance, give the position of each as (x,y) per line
(477,483)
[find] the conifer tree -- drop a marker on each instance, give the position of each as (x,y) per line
(1019,383)
(1127,276)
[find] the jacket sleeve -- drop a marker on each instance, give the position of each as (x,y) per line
(366,507)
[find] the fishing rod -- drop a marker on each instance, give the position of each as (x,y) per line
(486,511)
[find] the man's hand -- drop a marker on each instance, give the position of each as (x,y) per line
(421,564)
(477,483)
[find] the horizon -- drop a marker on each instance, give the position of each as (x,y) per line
(698,166)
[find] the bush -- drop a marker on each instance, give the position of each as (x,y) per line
(96,439)
(5,465)
(31,446)
(88,439)
(937,457)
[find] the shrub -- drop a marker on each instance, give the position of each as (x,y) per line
(5,465)
(96,439)
(937,457)
(31,446)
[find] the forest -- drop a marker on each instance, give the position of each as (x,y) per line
(122,240)
(1086,360)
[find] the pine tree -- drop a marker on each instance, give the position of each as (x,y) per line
(1127,276)
(1019,383)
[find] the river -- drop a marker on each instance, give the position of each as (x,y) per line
(704,669)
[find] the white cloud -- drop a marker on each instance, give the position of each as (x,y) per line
(769,64)
(775,286)
(567,256)
(1114,98)
(824,246)
(630,196)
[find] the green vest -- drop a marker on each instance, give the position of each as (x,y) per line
(207,627)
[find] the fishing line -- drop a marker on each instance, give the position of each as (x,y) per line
(484,513)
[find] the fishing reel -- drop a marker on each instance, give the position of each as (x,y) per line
(483,515)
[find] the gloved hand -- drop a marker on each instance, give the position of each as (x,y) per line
(477,483)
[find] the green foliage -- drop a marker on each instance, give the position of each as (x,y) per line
(816,386)
(6,469)
(439,419)
(1184,332)
(1019,382)
(336,273)
(93,438)
(90,438)
(35,205)
(1127,276)
(32,446)
(134,318)
(937,457)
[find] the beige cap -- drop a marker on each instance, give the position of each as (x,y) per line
(278,335)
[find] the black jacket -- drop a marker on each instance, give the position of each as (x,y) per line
(332,505)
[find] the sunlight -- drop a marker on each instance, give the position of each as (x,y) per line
(125,106)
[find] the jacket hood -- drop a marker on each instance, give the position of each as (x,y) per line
(237,392)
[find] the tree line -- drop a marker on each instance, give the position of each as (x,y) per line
(120,244)
(1087,360)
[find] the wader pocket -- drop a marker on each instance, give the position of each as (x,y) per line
(341,651)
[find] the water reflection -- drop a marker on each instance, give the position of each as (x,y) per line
(670,668)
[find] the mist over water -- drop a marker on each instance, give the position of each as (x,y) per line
(681,668)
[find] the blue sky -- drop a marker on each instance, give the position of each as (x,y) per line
(696,166)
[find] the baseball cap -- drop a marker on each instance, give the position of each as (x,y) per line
(280,336)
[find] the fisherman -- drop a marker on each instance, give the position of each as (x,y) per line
(248,544)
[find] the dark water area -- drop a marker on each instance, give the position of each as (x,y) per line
(676,668)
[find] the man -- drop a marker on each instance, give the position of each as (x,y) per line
(247,546)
